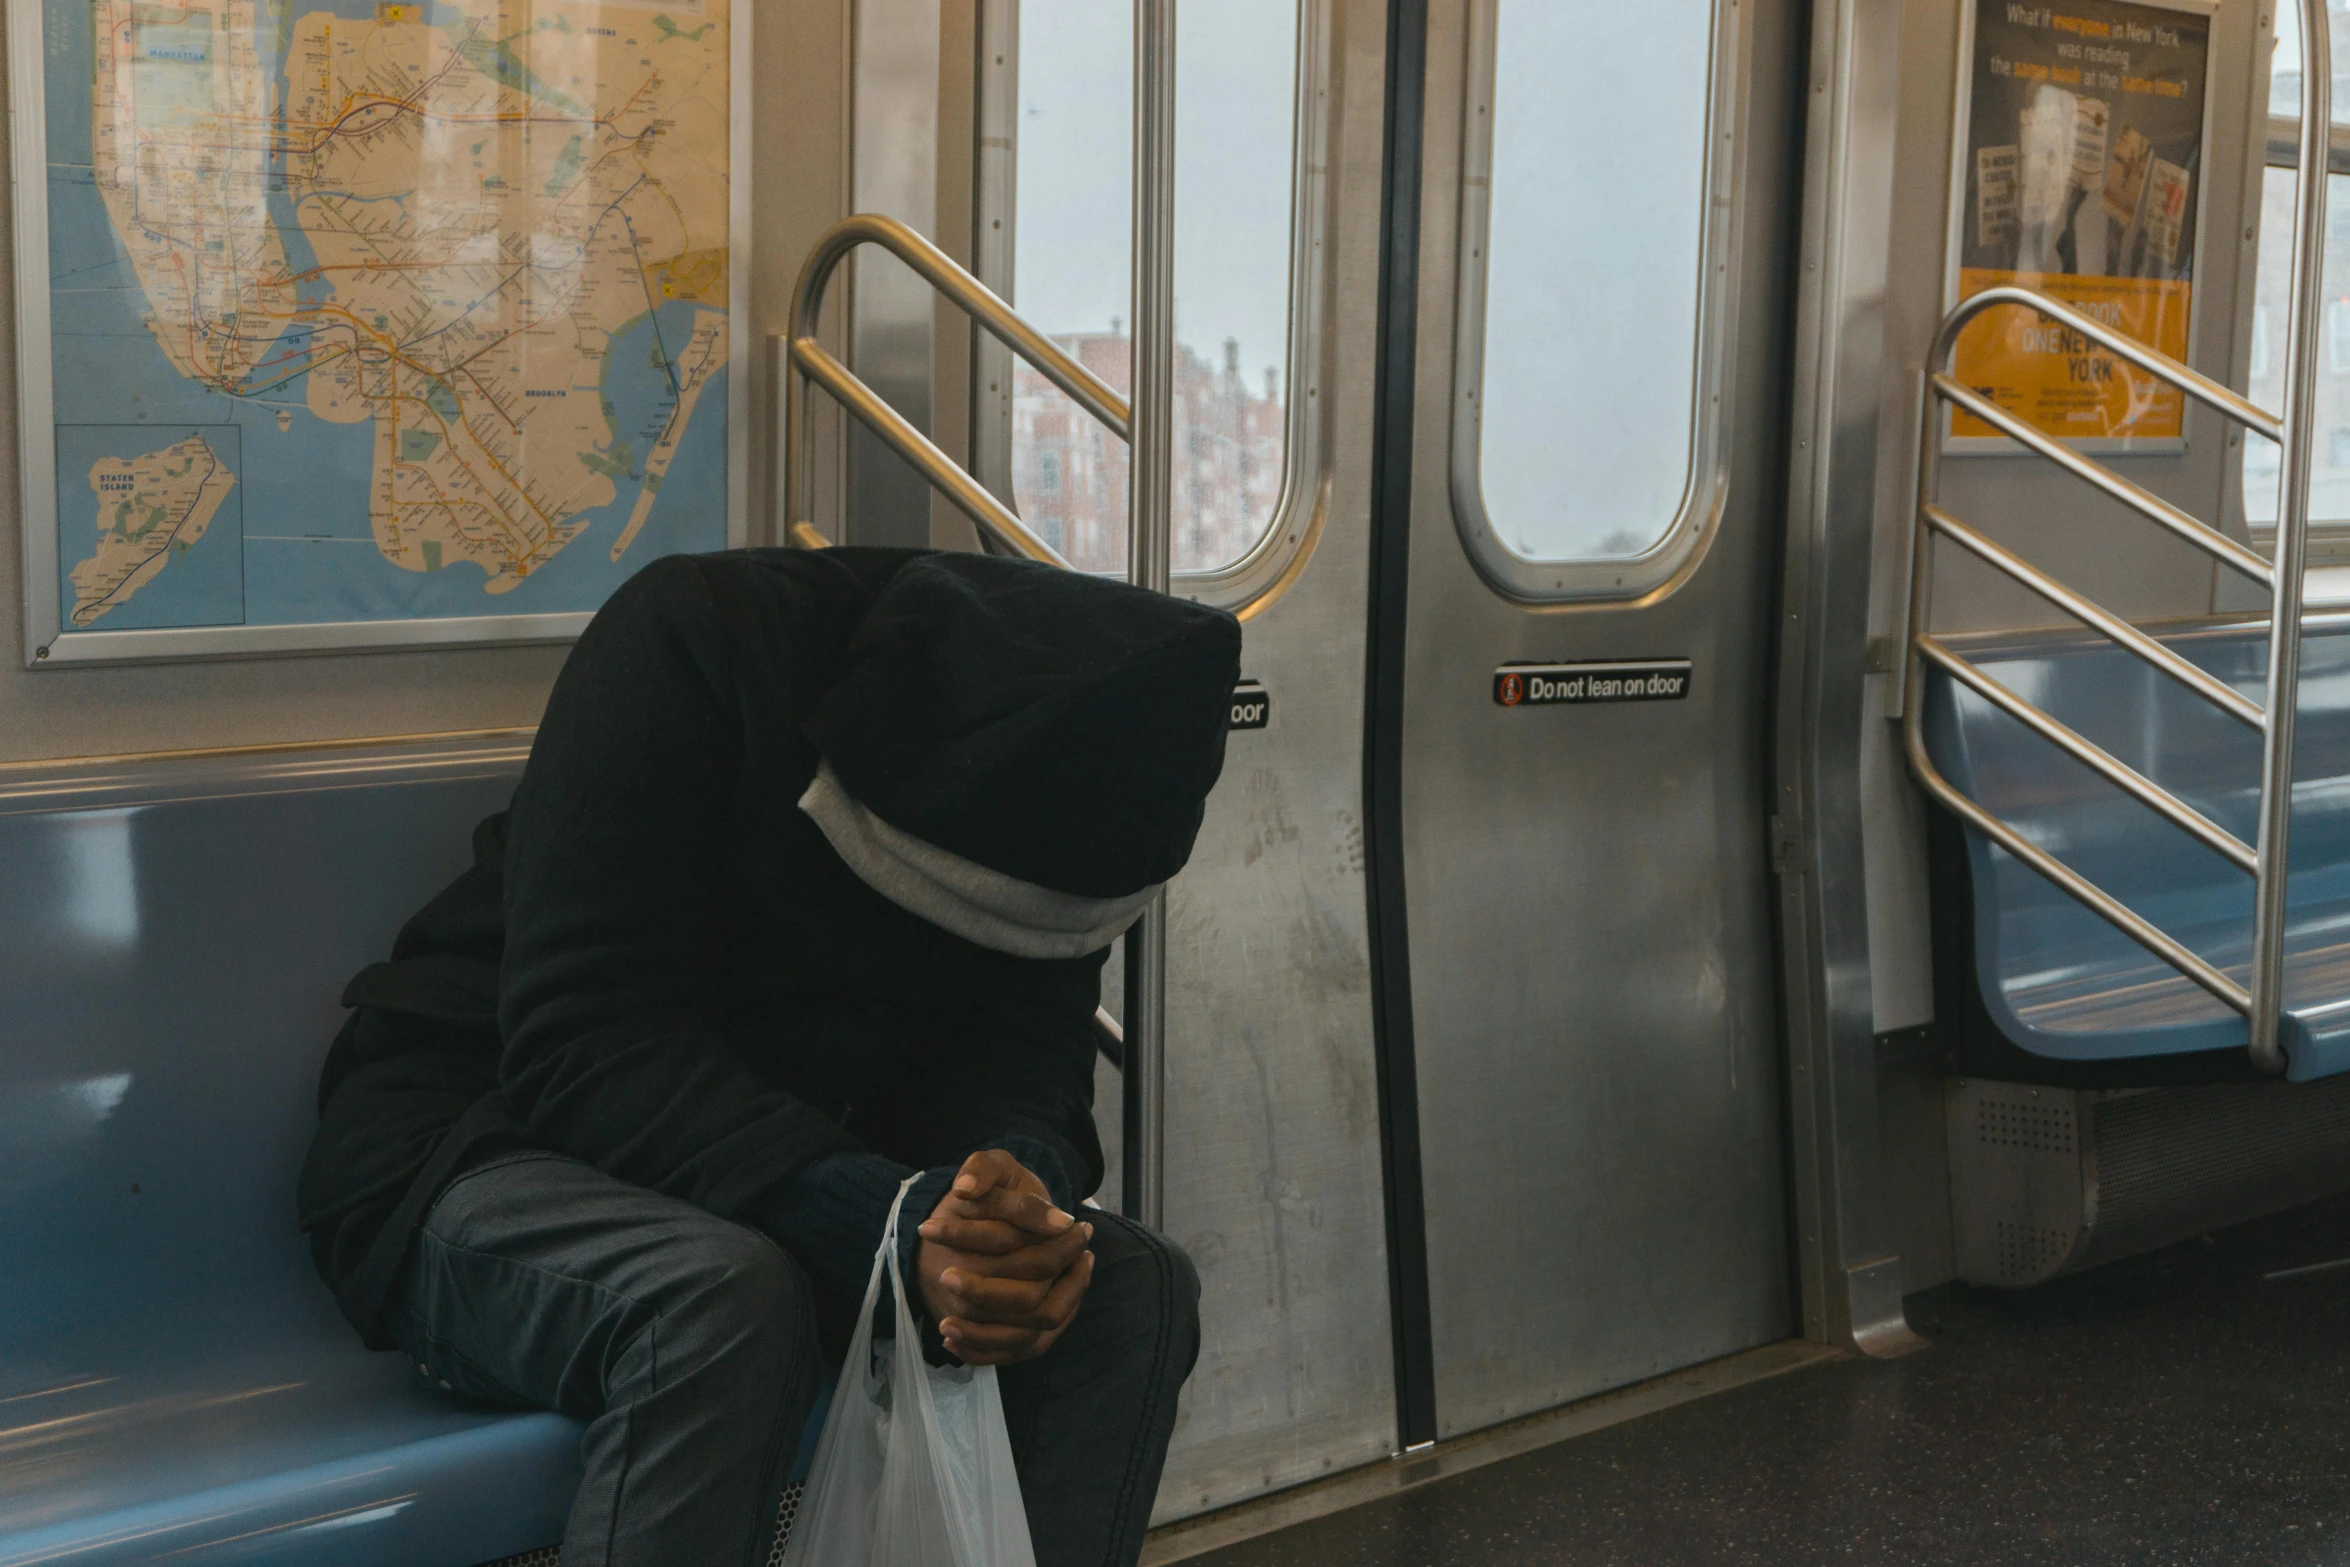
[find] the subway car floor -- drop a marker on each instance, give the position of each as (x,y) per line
(2190,1406)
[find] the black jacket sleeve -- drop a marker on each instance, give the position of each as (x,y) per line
(1024,1084)
(614,894)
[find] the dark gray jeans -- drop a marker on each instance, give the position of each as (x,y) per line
(687,1344)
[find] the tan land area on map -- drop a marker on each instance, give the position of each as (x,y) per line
(704,352)
(486,203)
(149,508)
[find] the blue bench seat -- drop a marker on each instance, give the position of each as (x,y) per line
(175,1383)
(2057,980)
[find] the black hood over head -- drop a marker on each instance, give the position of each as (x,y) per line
(1056,727)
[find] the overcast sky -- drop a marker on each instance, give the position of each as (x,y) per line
(1234,111)
(1591,283)
(2284,96)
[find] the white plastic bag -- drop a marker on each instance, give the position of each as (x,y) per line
(915,1465)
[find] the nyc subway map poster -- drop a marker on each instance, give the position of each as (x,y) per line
(2080,175)
(366,322)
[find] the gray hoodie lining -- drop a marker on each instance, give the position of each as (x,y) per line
(986,907)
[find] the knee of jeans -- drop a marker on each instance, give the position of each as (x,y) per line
(1183,1292)
(739,1297)
(1141,1274)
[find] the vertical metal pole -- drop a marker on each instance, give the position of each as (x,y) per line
(792,486)
(1921,543)
(995,222)
(1150,501)
(795,489)
(1154,293)
(2284,627)
(892,314)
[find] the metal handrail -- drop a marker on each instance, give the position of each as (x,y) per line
(1150,535)
(2217,692)
(807,360)
(2186,525)
(2139,787)
(2262,1001)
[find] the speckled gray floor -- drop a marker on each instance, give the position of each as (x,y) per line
(2179,1408)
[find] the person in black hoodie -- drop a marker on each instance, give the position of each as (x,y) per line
(804,895)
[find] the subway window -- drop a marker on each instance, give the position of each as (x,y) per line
(2272,306)
(2272,310)
(1585,387)
(1235,165)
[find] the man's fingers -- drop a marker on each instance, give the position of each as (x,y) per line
(1002,1267)
(1032,1211)
(1043,1305)
(1060,1303)
(1004,1303)
(975,1344)
(1034,1263)
(990,1238)
(987,1168)
(980,1237)
(991,1344)
(970,1340)
(993,1168)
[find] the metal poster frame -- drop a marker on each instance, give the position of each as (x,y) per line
(1962,113)
(46,647)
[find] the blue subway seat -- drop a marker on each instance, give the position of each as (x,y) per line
(2059,981)
(174,1381)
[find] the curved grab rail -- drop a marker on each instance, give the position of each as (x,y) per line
(2261,1000)
(982,303)
(807,361)
(2154,362)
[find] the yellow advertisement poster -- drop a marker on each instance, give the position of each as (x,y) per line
(2081,174)
(2055,379)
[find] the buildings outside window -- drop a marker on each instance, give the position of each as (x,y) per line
(1230,431)
(1235,176)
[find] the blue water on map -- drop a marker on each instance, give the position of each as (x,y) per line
(300,579)
(291,543)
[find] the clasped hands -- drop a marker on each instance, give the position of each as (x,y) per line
(1000,1268)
